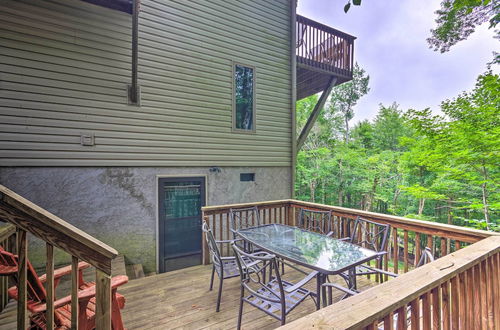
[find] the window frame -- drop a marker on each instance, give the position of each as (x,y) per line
(233,98)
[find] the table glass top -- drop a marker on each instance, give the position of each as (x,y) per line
(311,249)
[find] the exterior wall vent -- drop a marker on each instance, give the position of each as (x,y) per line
(87,139)
(247,177)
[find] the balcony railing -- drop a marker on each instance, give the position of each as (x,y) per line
(461,289)
(320,47)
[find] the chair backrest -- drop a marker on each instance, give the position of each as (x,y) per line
(36,291)
(242,218)
(318,221)
(253,269)
(426,257)
(213,248)
(370,234)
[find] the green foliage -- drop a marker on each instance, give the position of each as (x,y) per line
(345,96)
(457,19)
(441,168)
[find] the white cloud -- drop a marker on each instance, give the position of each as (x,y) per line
(392,48)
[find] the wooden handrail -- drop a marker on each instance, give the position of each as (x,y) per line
(326,28)
(374,305)
(323,48)
(29,217)
(463,234)
(6,231)
(50,228)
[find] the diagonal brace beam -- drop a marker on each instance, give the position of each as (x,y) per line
(315,113)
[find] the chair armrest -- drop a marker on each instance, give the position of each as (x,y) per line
(60,272)
(115,283)
(83,295)
(345,239)
(330,234)
(302,282)
(378,270)
(228,241)
(341,288)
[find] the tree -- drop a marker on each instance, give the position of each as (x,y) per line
(465,143)
(457,19)
(389,127)
(345,96)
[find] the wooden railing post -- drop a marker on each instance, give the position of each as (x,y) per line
(22,248)
(103,300)
(74,293)
(205,256)
(49,286)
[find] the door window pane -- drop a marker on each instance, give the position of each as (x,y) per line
(244,112)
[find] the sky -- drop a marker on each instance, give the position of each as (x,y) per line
(391,46)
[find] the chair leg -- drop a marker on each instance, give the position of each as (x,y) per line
(240,312)
(212,279)
(116,316)
(271,272)
(219,294)
(282,268)
(330,295)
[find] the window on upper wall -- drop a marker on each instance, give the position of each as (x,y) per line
(243,98)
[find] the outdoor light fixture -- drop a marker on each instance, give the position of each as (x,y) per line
(215,169)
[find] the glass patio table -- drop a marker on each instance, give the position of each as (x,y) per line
(327,255)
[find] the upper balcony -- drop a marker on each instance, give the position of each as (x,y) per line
(322,52)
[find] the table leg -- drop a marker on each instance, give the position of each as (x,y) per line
(323,290)
(352,279)
(320,291)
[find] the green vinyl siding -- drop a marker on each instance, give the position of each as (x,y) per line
(65,65)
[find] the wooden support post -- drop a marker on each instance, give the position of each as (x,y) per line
(49,286)
(103,301)
(315,113)
(74,293)
(22,250)
(205,257)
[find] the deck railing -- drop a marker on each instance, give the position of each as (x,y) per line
(28,217)
(461,289)
(458,291)
(407,240)
(8,242)
(324,48)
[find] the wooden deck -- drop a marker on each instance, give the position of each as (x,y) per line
(181,299)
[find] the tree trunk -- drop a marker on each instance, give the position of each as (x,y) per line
(322,191)
(485,198)
(312,187)
(346,120)
(395,199)
(450,216)
(421,204)
(341,184)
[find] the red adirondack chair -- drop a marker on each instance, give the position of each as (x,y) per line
(37,296)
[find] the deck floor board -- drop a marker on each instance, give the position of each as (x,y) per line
(181,300)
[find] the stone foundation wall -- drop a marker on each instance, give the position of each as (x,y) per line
(118,205)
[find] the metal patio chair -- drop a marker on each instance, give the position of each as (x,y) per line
(317,221)
(425,258)
(242,218)
(371,235)
(225,267)
(277,297)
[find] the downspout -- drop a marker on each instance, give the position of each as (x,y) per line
(293,57)
(133,88)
